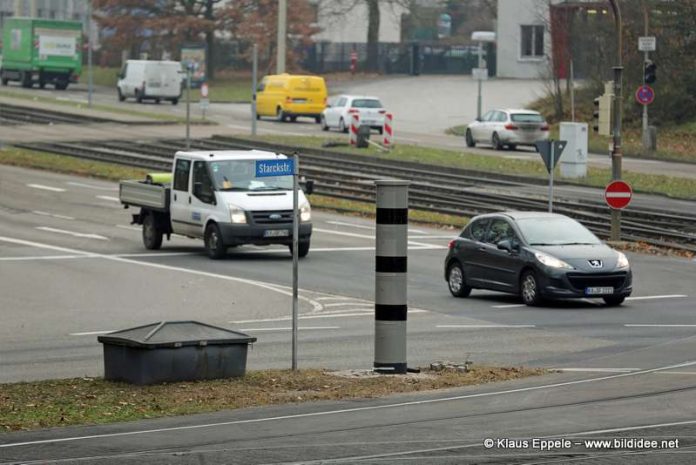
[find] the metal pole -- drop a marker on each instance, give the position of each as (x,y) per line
(188,107)
(282,35)
(254,78)
(572,92)
(90,74)
(616,154)
(646,57)
(480,65)
(295,256)
(551,178)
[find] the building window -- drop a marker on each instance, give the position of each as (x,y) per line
(532,42)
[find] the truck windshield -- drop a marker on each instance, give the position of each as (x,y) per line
(240,175)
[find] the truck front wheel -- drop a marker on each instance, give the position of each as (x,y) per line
(302,250)
(152,235)
(213,242)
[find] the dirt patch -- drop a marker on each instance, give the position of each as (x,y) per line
(80,401)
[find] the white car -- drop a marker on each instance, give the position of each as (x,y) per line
(507,127)
(340,110)
(150,80)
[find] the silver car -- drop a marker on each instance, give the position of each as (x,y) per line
(507,127)
(340,110)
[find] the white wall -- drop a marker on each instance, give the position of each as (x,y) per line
(340,24)
(512,14)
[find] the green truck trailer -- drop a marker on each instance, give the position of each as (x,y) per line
(41,51)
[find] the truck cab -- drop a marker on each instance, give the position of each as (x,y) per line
(215,196)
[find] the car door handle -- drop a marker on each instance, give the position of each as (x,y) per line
(483,249)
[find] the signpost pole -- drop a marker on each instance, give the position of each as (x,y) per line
(254,77)
(551,179)
(480,65)
(90,75)
(188,107)
(295,256)
(617,150)
(646,57)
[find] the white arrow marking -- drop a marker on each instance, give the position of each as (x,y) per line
(73,233)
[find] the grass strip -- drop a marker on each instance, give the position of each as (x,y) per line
(80,401)
(105,108)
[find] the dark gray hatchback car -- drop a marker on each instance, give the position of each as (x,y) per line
(538,256)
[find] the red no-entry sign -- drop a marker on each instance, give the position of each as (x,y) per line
(618,194)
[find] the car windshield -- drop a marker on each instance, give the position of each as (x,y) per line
(240,175)
(366,103)
(555,231)
(526,118)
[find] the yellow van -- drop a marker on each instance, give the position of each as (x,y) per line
(286,96)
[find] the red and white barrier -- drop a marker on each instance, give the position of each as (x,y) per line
(388,131)
(354,125)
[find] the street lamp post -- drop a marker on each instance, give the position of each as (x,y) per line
(616,153)
(282,35)
(90,75)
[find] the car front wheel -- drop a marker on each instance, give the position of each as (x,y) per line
(213,242)
(529,289)
(324,126)
(496,142)
(302,250)
(614,300)
(342,126)
(470,142)
(456,281)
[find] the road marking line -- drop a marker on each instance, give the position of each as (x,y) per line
(46,257)
(79,257)
(597,370)
(651,297)
(347,304)
(658,326)
(360,226)
(130,228)
(53,215)
(92,333)
(90,186)
(326,413)
(308,316)
(677,373)
(108,197)
(300,328)
(486,326)
(72,233)
(46,188)
(509,306)
(332,298)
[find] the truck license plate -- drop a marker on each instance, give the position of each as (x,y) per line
(276,233)
(599,290)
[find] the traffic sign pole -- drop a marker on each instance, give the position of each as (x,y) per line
(551,179)
(295,256)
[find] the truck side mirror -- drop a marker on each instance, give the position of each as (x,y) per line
(308,187)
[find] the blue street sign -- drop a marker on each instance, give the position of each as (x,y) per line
(279,167)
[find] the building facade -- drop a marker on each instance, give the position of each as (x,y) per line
(523,39)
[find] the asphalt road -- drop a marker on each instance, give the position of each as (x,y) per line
(72,267)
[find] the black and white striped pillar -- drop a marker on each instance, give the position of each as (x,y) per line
(390,276)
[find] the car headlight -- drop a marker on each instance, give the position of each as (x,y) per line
(552,262)
(622,261)
(305,212)
(237,215)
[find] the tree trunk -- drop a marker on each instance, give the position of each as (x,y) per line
(210,42)
(373,35)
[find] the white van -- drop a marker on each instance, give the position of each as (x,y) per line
(150,80)
(216,196)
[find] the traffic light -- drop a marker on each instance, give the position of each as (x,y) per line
(649,74)
(601,115)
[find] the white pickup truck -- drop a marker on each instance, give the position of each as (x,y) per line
(216,196)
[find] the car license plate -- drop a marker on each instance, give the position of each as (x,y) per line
(599,290)
(276,233)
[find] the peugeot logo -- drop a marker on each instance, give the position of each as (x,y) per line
(275,216)
(595,263)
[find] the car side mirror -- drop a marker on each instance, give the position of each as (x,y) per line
(307,187)
(506,245)
(479,119)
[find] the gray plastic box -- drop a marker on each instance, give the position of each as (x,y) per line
(172,351)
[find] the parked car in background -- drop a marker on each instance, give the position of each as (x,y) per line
(538,256)
(287,97)
(150,80)
(507,127)
(338,113)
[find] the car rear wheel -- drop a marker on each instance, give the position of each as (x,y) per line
(138,96)
(175,101)
(324,126)
(121,97)
(152,235)
(470,142)
(456,281)
(213,242)
(529,289)
(317,119)
(614,300)
(280,114)
(512,146)
(496,142)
